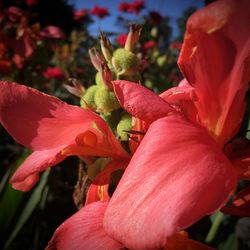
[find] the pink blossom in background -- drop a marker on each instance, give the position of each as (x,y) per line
(80,14)
(31,2)
(14,13)
(149,45)
(52,32)
(54,72)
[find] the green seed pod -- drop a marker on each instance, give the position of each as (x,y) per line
(125,124)
(149,84)
(96,167)
(125,62)
(89,97)
(105,100)
(161,61)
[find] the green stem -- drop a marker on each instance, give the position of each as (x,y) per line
(214,228)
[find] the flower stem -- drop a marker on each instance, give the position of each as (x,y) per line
(218,217)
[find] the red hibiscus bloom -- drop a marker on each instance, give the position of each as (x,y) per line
(54,72)
(99,11)
(121,39)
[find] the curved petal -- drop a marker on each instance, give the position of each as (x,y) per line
(215,60)
(177,175)
(84,230)
(43,122)
(183,99)
(181,241)
(27,175)
(97,193)
(141,102)
(238,151)
(240,205)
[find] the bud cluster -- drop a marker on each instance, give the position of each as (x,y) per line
(111,64)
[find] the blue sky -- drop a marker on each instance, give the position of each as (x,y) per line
(170,8)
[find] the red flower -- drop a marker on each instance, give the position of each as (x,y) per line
(121,39)
(54,72)
(32,2)
(53,130)
(52,32)
(14,13)
(123,7)
(5,66)
(179,173)
(149,45)
(80,14)
(99,11)
(134,7)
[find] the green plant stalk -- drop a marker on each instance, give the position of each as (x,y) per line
(215,226)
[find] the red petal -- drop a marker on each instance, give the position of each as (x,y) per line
(182,98)
(238,151)
(97,193)
(215,60)
(27,175)
(240,205)
(84,230)
(42,122)
(180,241)
(141,102)
(177,175)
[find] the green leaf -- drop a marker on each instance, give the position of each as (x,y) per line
(10,199)
(31,204)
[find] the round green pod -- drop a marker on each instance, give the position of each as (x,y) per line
(125,124)
(125,61)
(89,97)
(105,100)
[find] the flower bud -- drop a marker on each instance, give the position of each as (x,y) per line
(106,47)
(89,97)
(133,37)
(105,100)
(77,89)
(125,62)
(124,125)
(106,76)
(96,58)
